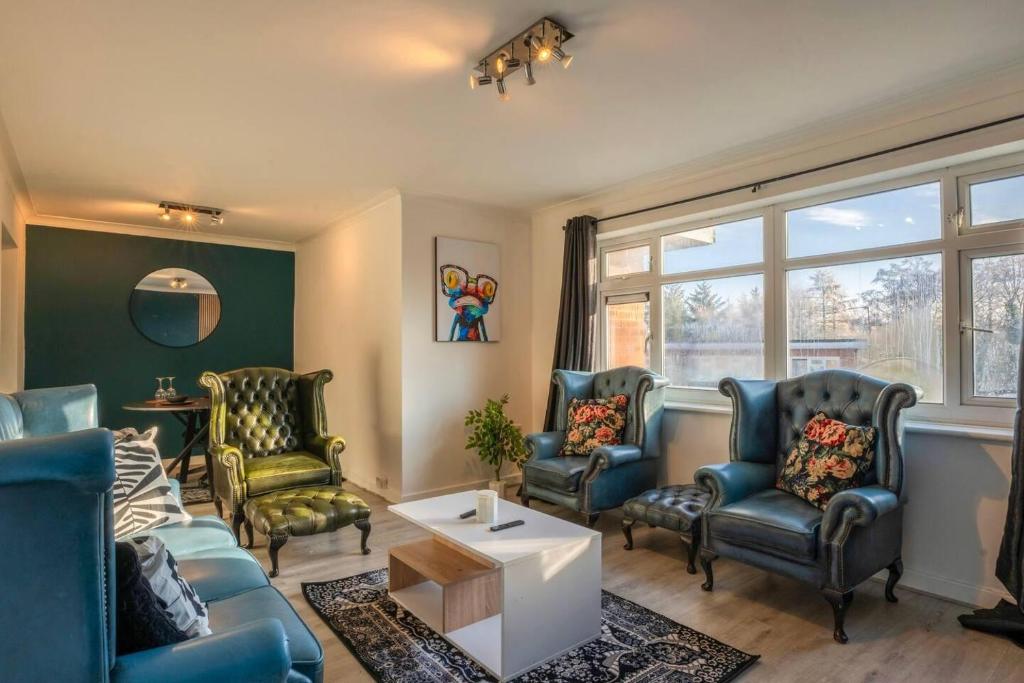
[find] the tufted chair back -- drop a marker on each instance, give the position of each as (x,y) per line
(768,417)
(257,410)
(645,389)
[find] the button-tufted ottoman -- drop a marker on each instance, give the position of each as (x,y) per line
(673,507)
(304,512)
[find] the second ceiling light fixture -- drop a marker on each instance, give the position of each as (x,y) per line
(540,43)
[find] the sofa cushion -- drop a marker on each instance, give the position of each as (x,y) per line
(772,522)
(219,573)
(592,423)
(261,603)
(830,457)
(560,474)
(199,533)
(284,471)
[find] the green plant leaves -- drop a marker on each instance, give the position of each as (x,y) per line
(495,437)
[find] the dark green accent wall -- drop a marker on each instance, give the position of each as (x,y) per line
(78,329)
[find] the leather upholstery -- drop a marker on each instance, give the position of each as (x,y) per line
(860,531)
(671,507)
(611,474)
(304,512)
(77,469)
(268,432)
(43,412)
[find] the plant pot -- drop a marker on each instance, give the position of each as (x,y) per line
(498,485)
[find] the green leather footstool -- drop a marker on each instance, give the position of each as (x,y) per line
(304,512)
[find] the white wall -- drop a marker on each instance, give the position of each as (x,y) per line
(957,485)
(348,300)
(442,380)
(12,273)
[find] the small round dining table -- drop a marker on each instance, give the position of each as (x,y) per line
(194,416)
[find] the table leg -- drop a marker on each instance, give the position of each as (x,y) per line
(186,453)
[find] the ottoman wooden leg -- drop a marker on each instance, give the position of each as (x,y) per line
(627,531)
(236,525)
(250,534)
(276,542)
(692,546)
(364,526)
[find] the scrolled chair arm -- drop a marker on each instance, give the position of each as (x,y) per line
(732,481)
(544,445)
(328,449)
(607,457)
(855,507)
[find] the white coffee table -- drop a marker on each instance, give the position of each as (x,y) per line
(510,599)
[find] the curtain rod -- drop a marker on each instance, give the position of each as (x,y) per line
(758,184)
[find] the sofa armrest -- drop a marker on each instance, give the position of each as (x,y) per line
(732,481)
(544,445)
(855,507)
(56,410)
(607,457)
(256,652)
(84,460)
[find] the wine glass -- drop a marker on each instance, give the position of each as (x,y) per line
(171,391)
(160,393)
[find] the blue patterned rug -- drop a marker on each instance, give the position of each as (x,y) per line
(637,645)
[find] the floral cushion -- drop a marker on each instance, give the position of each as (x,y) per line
(830,457)
(593,423)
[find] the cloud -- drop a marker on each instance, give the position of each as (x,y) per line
(849,218)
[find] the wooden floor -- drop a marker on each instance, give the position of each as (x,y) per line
(916,640)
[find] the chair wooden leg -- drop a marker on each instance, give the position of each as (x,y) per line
(627,531)
(218,505)
(524,500)
(276,542)
(236,525)
(706,558)
(249,533)
(840,603)
(895,572)
(364,526)
(692,546)
(592,519)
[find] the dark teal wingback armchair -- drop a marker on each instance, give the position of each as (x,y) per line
(611,474)
(748,519)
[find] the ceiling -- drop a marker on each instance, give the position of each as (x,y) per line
(292,115)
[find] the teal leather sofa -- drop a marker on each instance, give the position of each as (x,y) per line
(56,565)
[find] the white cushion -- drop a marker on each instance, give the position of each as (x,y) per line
(142,495)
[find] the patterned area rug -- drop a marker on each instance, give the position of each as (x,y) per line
(637,645)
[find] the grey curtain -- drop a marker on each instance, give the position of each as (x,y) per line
(1007,619)
(577,312)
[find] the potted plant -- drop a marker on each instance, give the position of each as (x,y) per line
(496,438)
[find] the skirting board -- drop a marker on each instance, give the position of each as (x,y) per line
(947,589)
(512,480)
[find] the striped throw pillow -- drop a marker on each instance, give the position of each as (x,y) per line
(180,601)
(142,494)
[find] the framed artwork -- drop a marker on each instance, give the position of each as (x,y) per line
(467,301)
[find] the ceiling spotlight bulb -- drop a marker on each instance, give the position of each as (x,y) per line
(179,283)
(530,80)
(216,219)
(166,215)
(542,51)
(499,63)
(560,56)
(502,90)
(189,217)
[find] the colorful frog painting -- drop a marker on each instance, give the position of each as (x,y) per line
(470,298)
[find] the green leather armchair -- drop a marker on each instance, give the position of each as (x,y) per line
(268,432)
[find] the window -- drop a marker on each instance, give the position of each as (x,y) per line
(882,318)
(628,330)
(716,246)
(713,329)
(992,333)
(865,279)
(622,262)
(902,216)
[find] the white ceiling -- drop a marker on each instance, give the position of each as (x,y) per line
(293,114)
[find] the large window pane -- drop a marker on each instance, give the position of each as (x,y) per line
(882,318)
(713,329)
(995,201)
(628,332)
(910,214)
(997,293)
(627,261)
(716,246)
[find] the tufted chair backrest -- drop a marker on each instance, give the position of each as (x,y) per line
(644,388)
(260,410)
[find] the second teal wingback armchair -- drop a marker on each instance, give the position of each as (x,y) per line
(610,475)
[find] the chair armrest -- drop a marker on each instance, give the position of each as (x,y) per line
(544,445)
(328,449)
(84,460)
(855,507)
(607,457)
(732,481)
(256,652)
(229,457)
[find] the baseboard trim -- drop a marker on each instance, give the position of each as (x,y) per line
(950,590)
(513,480)
(387,495)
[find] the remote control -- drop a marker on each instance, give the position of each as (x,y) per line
(508,525)
(467,514)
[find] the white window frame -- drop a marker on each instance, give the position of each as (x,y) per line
(955,241)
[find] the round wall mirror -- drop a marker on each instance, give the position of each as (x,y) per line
(175,307)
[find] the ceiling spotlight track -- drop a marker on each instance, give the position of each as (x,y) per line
(189,214)
(538,44)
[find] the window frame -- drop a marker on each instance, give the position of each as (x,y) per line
(955,243)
